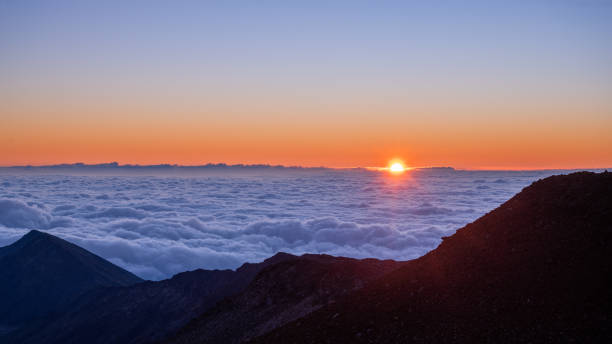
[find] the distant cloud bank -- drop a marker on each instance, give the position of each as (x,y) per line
(159,226)
(116,165)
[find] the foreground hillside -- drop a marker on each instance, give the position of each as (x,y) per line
(282,293)
(537,269)
(40,275)
(143,312)
(280,289)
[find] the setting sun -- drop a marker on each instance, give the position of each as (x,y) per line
(397,167)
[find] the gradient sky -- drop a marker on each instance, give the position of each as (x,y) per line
(469,84)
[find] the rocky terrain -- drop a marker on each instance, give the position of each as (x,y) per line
(143,312)
(537,269)
(282,293)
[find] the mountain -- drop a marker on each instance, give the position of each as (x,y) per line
(536,269)
(143,312)
(41,274)
(282,293)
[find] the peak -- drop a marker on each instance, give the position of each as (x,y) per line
(280,256)
(32,237)
(580,189)
(554,210)
(42,274)
(51,250)
(36,234)
(36,237)
(574,181)
(275,259)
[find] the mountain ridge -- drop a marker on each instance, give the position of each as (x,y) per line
(281,293)
(144,312)
(533,270)
(42,274)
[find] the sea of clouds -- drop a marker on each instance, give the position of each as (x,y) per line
(156,226)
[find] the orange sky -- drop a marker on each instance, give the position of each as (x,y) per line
(362,136)
(345,84)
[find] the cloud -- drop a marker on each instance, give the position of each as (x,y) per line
(17,214)
(156,226)
(289,231)
(331,231)
(119,212)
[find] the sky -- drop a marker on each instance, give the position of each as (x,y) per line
(469,84)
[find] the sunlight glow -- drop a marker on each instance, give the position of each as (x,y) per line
(397,167)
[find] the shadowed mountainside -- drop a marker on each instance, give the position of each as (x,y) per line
(536,269)
(41,274)
(282,293)
(144,312)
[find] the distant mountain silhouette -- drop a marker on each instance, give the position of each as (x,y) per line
(115,166)
(536,270)
(144,312)
(41,274)
(281,293)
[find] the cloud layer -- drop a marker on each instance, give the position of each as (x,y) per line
(159,226)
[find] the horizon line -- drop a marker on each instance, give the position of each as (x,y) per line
(114,164)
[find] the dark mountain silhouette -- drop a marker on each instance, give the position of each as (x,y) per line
(537,269)
(282,293)
(144,312)
(41,274)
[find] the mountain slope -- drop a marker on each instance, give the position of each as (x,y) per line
(144,312)
(536,269)
(282,293)
(41,274)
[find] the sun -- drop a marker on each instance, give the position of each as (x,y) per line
(397,167)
